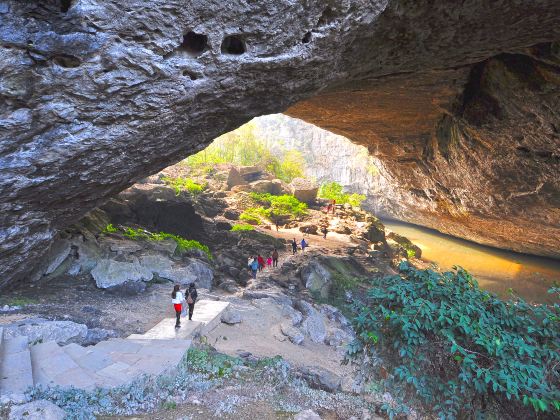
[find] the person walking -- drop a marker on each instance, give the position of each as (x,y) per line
(275,258)
(254,267)
(269,262)
(333,206)
(277,226)
(260,260)
(325,231)
(303,245)
(177,301)
(192,294)
(294,246)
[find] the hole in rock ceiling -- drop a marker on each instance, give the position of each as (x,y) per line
(67,61)
(233,44)
(190,75)
(327,17)
(193,43)
(65,5)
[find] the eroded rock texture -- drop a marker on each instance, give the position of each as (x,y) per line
(97,94)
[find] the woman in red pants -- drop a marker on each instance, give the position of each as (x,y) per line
(177,301)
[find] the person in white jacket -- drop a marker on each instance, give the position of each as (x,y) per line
(177,300)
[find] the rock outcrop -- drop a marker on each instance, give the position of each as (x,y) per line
(99,94)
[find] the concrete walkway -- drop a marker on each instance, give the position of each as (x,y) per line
(108,364)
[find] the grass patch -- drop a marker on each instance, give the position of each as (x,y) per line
(215,365)
(184,185)
(241,228)
(183,244)
(254,215)
(21,301)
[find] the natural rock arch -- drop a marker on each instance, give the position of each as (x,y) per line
(120,107)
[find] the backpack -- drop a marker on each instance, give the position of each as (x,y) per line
(190,300)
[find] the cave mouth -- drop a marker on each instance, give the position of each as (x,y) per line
(194,43)
(233,45)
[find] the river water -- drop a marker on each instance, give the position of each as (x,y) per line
(496,270)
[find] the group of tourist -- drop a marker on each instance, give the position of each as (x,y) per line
(178,299)
(304,244)
(258,263)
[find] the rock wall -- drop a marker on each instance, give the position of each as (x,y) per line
(98,94)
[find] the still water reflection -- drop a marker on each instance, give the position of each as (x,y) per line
(496,270)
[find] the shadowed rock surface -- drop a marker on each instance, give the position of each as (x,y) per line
(101,94)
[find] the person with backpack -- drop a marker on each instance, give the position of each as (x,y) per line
(303,245)
(254,267)
(177,300)
(294,246)
(275,258)
(260,260)
(192,294)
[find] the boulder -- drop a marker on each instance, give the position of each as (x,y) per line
(317,278)
(295,316)
(109,273)
(37,410)
(166,246)
(309,228)
(128,288)
(42,330)
(195,271)
(412,251)
(223,226)
(230,317)
(293,334)
(271,186)
(304,190)
(337,337)
(58,252)
(121,246)
(231,215)
(307,415)
(374,230)
(320,378)
(253,173)
(241,188)
(234,178)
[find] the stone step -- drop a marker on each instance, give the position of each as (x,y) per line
(52,366)
(119,361)
(205,318)
(15,369)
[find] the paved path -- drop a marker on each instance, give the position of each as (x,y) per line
(108,364)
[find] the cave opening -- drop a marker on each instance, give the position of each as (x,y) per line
(194,43)
(233,45)
(65,5)
(306,38)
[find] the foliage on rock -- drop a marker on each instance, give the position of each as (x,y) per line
(241,228)
(462,350)
(188,185)
(280,205)
(136,234)
(334,191)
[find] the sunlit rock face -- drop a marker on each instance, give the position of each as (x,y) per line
(98,94)
(481,162)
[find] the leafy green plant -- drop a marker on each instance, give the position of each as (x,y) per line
(241,228)
(184,184)
(183,244)
(460,349)
(334,191)
(216,365)
(254,215)
(169,405)
(280,205)
(411,253)
(110,229)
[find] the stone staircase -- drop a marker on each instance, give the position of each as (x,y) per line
(108,364)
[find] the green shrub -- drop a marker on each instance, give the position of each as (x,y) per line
(215,365)
(182,243)
(411,253)
(184,184)
(241,228)
(334,191)
(280,205)
(110,229)
(254,215)
(459,348)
